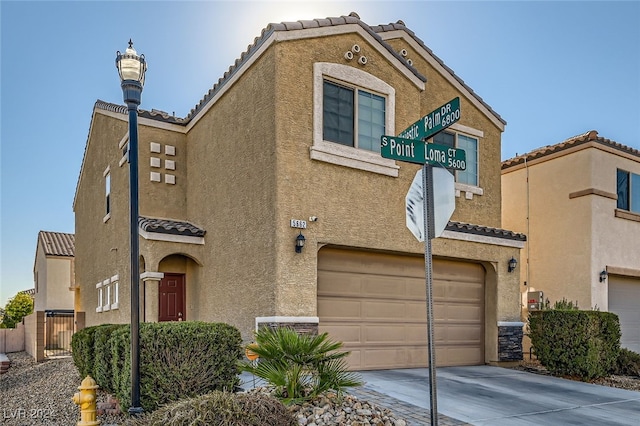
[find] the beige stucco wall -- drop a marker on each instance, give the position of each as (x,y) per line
(231,194)
(102,247)
(571,237)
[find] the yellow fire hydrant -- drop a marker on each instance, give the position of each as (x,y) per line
(86,399)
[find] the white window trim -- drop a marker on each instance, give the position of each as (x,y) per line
(116,296)
(343,155)
(107,295)
(99,287)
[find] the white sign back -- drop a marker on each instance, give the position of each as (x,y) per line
(444,202)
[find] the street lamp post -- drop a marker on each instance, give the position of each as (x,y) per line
(131,68)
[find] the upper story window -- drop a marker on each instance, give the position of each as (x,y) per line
(351,110)
(107,187)
(469,176)
(628,189)
(107,194)
(352,116)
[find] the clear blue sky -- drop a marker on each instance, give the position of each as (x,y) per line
(550,69)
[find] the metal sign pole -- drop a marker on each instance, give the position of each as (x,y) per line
(427,185)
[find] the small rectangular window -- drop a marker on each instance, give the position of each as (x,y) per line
(628,190)
(107,185)
(469,176)
(99,287)
(115,292)
(623,189)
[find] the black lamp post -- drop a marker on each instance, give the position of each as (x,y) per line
(131,68)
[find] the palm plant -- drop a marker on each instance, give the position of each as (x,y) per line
(300,366)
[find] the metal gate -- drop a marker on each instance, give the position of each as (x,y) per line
(58,329)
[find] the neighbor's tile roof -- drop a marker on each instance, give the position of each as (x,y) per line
(486,231)
(590,136)
(169,226)
(57,243)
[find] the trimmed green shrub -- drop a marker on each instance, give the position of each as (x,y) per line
(177,360)
(102,370)
(82,344)
(120,345)
(300,366)
(221,409)
(582,344)
(628,363)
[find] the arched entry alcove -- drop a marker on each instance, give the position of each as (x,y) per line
(171,293)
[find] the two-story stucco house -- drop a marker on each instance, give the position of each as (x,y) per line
(579,203)
(287,143)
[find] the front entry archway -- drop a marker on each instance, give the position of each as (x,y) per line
(172,298)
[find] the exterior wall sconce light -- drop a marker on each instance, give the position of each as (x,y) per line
(512,264)
(603,275)
(300,242)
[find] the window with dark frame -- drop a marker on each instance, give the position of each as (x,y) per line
(628,191)
(469,176)
(352,116)
(107,186)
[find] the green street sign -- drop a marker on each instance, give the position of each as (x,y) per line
(419,152)
(434,122)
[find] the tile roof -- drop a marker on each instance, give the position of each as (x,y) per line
(352,18)
(590,136)
(399,25)
(169,226)
(154,114)
(486,231)
(57,243)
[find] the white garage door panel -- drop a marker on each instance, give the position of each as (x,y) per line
(624,300)
(375,304)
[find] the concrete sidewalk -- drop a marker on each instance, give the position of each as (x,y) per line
(485,395)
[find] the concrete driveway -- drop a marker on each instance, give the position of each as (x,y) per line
(485,395)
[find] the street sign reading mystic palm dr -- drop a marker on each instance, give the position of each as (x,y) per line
(432,123)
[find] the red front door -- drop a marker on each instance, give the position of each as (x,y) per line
(172,298)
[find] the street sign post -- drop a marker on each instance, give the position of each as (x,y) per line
(434,122)
(419,152)
(409,146)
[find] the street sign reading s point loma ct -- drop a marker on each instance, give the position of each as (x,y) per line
(416,151)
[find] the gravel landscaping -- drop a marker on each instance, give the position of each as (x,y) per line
(40,394)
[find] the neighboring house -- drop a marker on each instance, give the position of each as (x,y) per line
(290,137)
(53,272)
(54,295)
(579,204)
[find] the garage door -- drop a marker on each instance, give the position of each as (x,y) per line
(624,296)
(376,305)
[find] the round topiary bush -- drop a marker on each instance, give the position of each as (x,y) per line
(220,408)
